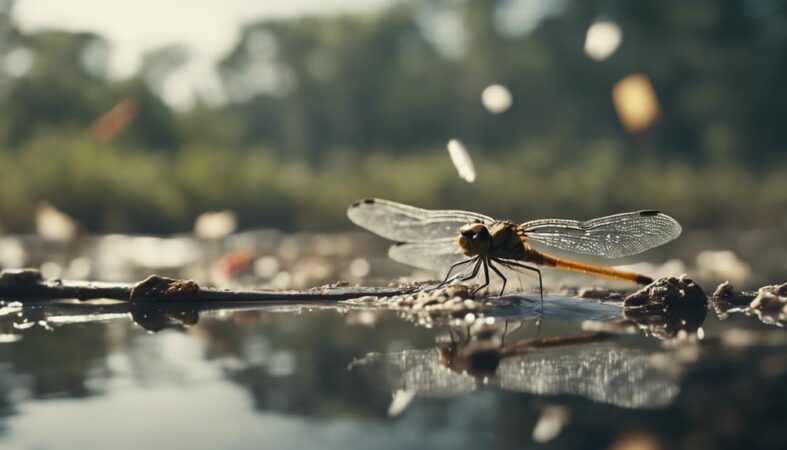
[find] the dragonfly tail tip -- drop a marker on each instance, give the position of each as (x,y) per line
(642,279)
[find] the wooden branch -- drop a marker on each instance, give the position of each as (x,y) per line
(28,284)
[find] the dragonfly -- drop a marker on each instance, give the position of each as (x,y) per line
(449,240)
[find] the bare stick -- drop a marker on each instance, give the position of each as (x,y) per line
(28,284)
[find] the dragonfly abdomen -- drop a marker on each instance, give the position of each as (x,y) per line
(546,260)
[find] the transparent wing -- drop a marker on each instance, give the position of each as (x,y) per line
(399,222)
(616,376)
(613,236)
(437,255)
(417,371)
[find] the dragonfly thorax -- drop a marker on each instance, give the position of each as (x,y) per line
(498,240)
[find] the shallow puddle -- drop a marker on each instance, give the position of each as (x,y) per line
(570,374)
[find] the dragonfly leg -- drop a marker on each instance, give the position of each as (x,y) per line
(448,278)
(500,274)
(486,276)
(473,273)
(534,269)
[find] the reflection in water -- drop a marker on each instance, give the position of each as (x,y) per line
(606,374)
(478,355)
(157,318)
(668,323)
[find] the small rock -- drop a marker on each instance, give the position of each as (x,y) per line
(726,293)
(594,292)
(20,277)
(667,308)
(156,286)
(770,304)
(668,292)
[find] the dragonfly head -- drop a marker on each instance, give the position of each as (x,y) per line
(474,239)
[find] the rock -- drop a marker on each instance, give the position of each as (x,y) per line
(667,308)
(726,293)
(668,292)
(770,304)
(598,293)
(20,277)
(155,286)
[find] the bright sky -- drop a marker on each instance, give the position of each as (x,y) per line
(207,27)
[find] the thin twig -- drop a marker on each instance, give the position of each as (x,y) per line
(24,285)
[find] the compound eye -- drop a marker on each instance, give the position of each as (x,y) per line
(473,231)
(478,228)
(467,231)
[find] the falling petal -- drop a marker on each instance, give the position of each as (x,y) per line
(401,400)
(461,160)
(636,103)
(115,120)
(496,98)
(602,39)
(552,420)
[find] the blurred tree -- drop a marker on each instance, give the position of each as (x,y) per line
(315,105)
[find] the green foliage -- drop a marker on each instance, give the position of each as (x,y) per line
(323,110)
(112,188)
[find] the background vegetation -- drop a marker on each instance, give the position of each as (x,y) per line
(320,111)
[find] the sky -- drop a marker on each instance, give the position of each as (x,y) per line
(208,28)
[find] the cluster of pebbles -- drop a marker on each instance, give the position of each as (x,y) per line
(454,301)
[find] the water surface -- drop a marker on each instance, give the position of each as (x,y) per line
(335,376)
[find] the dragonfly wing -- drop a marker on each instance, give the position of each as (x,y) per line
(437,255)
(613,236)
(404,223)
(418,371)
(616,376)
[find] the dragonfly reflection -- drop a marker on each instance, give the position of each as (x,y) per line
(549,366)
(448,240)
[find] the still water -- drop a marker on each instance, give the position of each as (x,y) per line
(347,376)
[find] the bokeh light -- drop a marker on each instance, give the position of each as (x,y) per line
(496,98)
(603,39)
(636,103)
